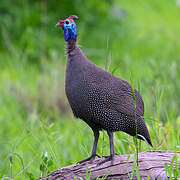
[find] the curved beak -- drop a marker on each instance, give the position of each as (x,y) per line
(60,23)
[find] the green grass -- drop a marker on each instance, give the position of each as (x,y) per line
(173,172)
(38,132)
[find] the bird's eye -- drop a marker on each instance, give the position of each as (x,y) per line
(67,22)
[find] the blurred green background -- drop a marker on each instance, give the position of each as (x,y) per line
(140,40)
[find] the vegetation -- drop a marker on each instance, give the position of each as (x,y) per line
(139,38)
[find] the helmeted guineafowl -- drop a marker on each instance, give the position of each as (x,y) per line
(102,100)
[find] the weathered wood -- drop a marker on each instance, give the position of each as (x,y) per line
(151,162)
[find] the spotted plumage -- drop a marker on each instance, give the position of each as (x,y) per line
(102,100)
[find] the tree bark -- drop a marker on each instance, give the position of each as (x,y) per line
(150,164)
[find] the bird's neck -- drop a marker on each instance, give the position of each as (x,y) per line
(74,53)
(71,46)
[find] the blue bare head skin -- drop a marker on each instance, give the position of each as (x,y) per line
(69,30)
(69,27)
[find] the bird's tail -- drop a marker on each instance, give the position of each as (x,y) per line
(142,131)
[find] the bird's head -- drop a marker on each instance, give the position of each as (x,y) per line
(69,27)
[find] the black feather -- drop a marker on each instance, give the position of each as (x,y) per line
(101,99)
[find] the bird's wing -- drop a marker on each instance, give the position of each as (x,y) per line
(120,98)
(116,92)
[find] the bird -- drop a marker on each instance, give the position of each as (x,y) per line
(99,98)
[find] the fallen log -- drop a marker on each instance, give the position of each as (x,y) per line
(150,164)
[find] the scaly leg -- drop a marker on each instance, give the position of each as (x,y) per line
(112,153)
(93,155)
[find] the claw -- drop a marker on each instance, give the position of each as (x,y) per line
(107,158)
(98,156)
(91,158)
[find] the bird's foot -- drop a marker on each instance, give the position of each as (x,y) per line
(91,158)
(107,158)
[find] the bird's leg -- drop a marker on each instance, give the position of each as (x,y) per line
(111,141)
(112,153)
(93,155)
